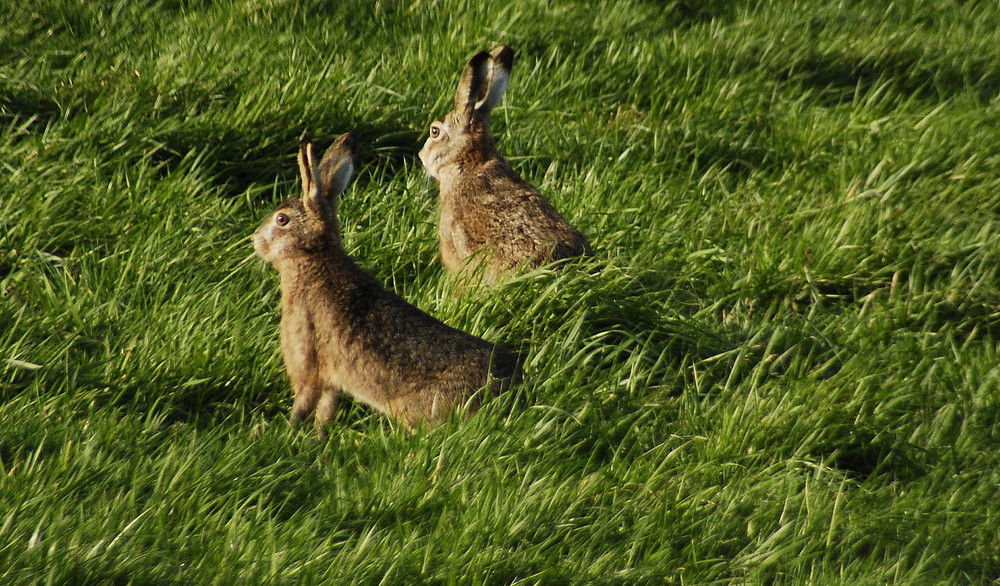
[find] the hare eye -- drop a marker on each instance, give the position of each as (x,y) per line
(281,219)
(435,131)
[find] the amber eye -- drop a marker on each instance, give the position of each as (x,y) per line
(281,219)
(435,131)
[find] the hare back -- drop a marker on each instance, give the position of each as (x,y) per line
(375,346)
(512,219)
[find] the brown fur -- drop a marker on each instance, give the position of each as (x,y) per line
(487,210)
(342,331)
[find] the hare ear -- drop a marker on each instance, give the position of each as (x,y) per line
(502,60)
(472,85)
(309,173)
(337,166)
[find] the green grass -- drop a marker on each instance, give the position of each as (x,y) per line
(786,372)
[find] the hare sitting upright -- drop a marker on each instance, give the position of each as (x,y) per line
(487,209)
(341,331)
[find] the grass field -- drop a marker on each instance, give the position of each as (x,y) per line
(787,370)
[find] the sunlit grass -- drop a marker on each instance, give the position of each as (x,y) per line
(781,367)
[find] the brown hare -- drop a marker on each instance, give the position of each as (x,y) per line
(342,331)
(487,210)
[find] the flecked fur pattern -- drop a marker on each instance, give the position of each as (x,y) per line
(342,331)
(488,212)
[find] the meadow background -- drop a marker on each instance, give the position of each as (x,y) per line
(786,371)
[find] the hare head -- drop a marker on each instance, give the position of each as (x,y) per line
(463,135)
(308,224)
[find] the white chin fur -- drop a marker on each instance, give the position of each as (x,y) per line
(261,247)
(427,159)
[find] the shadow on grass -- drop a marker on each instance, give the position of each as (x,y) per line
(863,453)
(607,303)
(242,157)
(27,106)
(95,574)
(692,12)
(840,75)
(972,314)
(737,160)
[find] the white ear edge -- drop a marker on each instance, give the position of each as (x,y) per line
(497,86)
(308,170)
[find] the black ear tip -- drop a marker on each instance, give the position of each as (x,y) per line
(346,142)
(504,55)
(305,146)
(479,59)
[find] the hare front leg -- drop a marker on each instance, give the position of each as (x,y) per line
(306,398)
(320,401)
(326,408)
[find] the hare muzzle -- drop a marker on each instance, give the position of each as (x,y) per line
(260,244)
(435,148)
